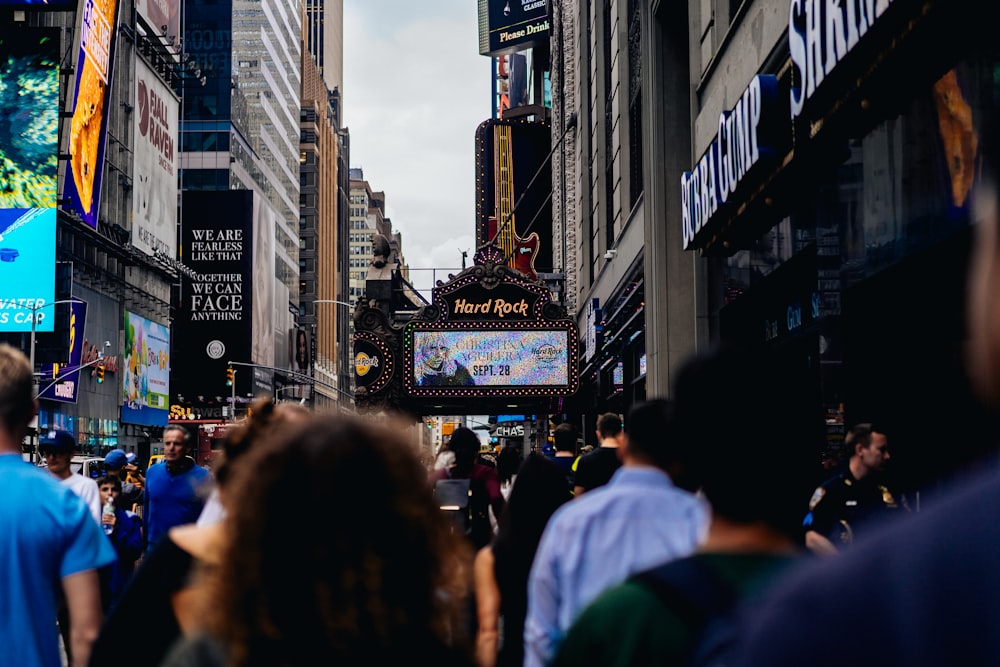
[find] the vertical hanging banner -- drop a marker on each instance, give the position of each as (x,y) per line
(213,326)
(88,131)
(154,200)
(66,389)
(515,217)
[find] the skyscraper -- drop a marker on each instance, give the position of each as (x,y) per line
(240,130)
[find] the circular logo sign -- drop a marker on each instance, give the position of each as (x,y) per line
(363,363)
(215,349)
(373,363)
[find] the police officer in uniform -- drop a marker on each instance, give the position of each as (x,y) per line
(851,497)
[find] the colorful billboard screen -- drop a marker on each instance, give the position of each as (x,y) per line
(154,200)
(146,386)
(27,268)
(88,131)
(29,109)
(490,358)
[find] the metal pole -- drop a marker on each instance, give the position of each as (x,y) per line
(34,386)
(232,403)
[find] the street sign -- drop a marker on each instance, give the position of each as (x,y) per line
(508,430)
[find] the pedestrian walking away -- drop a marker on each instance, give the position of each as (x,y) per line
(51,547)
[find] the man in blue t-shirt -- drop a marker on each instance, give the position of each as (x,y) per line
(175,489)
(48,542)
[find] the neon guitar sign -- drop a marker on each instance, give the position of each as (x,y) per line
(520,253)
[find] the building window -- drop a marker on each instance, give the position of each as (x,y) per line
(634,104)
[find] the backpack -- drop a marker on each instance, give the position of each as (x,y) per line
(463,502)
(705,604)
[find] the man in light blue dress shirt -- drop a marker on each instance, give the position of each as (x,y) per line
(638,520)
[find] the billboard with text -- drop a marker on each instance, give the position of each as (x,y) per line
(27,268)
(60,382)
(214,325)
(154,198)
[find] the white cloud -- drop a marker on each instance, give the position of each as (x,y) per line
(415,90)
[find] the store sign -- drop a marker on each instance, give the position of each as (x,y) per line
(746,137)
(507,430)
(512,25)
(820,34)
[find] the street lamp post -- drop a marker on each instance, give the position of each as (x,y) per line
(31,359)
(341,303)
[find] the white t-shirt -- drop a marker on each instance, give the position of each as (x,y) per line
(87,489)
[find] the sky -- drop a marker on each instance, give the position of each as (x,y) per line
(415,89)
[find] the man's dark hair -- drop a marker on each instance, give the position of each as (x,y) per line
(724,400)
(465,443)
(564,436)
(650,429)
(106,479)
(609,425)
(860,434)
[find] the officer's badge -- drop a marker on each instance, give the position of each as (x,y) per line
(887,497)
(817,496)
(845,534)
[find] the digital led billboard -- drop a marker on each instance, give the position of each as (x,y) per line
(27,268)
(88,131)
(521,358)
(146,387)
(29,117)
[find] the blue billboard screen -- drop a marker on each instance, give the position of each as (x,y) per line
(27,268)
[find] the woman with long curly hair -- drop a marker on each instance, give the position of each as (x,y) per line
(162,601)
(336,553)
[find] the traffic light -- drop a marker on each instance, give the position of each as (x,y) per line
(230,376)
(100,373)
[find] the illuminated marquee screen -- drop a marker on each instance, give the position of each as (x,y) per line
(490,358)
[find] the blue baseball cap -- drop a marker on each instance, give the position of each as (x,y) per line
(115,459)
(57,441)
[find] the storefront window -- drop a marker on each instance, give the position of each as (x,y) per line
(907,183)
(748,267)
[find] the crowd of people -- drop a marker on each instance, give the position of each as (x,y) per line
(692,535)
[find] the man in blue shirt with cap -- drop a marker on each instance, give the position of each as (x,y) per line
(50,544)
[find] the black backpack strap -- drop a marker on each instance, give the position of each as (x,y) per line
(691,590)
